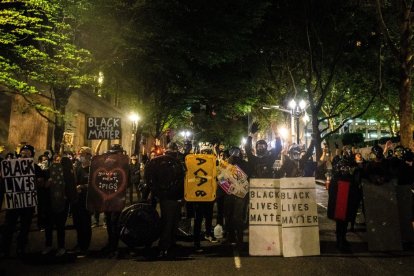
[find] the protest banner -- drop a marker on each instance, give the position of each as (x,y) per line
(108,180)
(200,180)
(19,183)
(382,216)
(232,179)
(299,217)
(265,218)
(100,128)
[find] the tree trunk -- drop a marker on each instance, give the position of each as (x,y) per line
(61,100)
(405,96)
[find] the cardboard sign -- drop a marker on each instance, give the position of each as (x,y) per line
(19,180)
(300,227)
(232,179)
(108,181)
(200,179)
(265,225)
(103,128)
(381,215)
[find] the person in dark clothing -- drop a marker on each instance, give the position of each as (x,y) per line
(112,218)
(261,164)
(345,187)
(235,208)
(81,215)
(164,176)
(134,178)
(25,215)
(62,191)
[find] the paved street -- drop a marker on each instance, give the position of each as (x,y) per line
(218,259)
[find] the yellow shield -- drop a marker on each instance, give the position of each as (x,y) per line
(200,179)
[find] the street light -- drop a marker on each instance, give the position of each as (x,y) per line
(185,134)
(134,118)
(297,110)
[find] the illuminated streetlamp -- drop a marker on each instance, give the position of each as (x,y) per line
(297,110)
(185,134)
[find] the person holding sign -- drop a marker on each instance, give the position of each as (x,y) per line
(235,208)
(21,178)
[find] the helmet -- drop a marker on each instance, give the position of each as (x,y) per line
(206,149)
(344,166)
(116,148)
(235,151)
(377,151)
(294,152)
(86,150)
(172,147)
(399,152)
(29,148)
(261,147)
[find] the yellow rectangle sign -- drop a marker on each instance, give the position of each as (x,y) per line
(200,179)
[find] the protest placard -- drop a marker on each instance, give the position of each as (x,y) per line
(299,216)
(108,181)
(100,128)
(264,218)
(200,180)
(19,183)
(232,179)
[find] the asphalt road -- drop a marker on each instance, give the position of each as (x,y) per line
(217,259)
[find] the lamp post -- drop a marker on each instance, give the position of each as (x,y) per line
(134,118)
(297,110)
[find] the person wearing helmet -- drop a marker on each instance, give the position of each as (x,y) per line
(164,176)
(261,164)
(344,189)
(378,168)
(25,214)
(235,208)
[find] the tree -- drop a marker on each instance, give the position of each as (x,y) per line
(399,41)
(323,52)
(39,59)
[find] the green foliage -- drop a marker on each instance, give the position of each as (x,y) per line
(37,51)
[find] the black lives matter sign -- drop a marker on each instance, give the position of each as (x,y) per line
(19,183)
(98,128)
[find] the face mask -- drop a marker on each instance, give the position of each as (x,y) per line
(82,159)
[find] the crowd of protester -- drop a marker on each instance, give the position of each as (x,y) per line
(62,192)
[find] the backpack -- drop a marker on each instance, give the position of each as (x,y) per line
(165,176)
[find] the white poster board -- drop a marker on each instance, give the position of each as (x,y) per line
(299,217)
(264,218)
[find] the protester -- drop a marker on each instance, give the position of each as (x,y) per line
(203,210)
(81,215)
(112,219)
(62,191)
(344,197)
(164,176)
(235,208)
(261,164)
(134,178)
(25,214)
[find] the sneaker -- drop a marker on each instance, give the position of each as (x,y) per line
(211,239)
(198,248)
(47,250)
(60,252)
